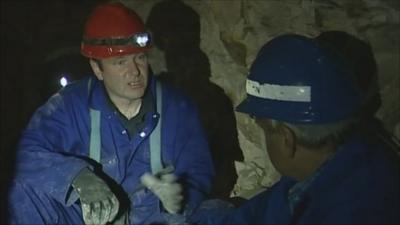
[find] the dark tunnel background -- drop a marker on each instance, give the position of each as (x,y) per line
(39,43)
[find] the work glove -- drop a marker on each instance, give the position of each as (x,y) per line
(98,202)
(166,188)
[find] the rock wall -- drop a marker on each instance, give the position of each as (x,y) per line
(232,31)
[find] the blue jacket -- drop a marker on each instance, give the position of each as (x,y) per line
(359,185)
(55,147)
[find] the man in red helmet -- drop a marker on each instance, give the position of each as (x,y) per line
(116,147)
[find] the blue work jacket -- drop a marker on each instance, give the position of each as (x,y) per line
(55,147)
(359,185)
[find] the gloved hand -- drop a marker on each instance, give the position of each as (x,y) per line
(99,204)
(166,189)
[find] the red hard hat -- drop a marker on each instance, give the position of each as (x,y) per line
(114,30)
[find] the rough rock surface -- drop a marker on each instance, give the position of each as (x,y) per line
(232,31)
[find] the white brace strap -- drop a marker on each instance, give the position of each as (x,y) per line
(95,137)
(155,137)
(279,92)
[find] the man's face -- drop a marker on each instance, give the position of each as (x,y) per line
(125,77)
(274,142)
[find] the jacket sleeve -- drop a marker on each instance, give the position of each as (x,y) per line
(193,161)
(268,207)
(48,149)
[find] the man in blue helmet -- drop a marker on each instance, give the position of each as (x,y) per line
(303,96)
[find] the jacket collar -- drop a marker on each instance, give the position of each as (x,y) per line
(98,95)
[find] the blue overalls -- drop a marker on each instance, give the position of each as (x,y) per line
(55,147)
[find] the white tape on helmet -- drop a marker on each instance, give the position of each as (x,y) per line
(279,92)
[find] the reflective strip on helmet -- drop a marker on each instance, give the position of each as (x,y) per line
(279,92)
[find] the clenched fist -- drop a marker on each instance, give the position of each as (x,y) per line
(166,188)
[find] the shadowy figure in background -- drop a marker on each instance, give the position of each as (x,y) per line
(359,55)
(176,31)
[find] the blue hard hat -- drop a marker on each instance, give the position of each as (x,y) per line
(294,79)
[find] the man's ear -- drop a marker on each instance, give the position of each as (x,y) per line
(96,69)
(289,141)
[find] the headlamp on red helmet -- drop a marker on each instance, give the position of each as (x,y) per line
(139,40)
